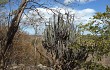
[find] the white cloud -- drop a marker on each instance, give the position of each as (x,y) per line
(80,16)
(74,1)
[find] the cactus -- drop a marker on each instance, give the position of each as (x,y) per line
(59,33)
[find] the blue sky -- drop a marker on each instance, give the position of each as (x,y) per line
(84,9)
(98,5)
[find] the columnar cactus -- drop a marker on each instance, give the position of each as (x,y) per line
(59,33)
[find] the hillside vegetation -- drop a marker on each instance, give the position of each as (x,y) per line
(63,45)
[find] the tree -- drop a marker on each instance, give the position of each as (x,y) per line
(100,23)
(13,28)
(98,40)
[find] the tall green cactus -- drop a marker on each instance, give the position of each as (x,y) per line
(59,33)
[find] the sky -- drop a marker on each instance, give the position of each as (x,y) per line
(83,10)
(97,5)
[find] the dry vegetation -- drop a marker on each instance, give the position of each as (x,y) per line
(62,45)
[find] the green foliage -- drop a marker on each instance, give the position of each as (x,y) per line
(107,9)
(94,66)
(96,44)
(98,41)
(3,2)
(100,24)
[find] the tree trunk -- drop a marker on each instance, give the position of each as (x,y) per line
(11,33)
